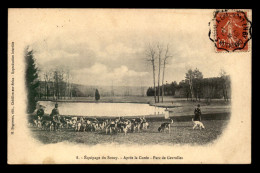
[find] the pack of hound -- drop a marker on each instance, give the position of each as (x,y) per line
(108,126)
(126,125)
(84,124)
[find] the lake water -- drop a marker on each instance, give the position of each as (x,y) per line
(103,109)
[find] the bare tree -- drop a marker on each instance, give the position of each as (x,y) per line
(189,76)
(68,84)
(56,85)
(160,49)
(61,86)
(47,79)
(150,53)
(166,56)
(58,76)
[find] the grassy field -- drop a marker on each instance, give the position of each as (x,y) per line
(181,133)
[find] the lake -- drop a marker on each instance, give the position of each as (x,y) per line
(103,109)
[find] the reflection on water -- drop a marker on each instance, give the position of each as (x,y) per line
(102,109)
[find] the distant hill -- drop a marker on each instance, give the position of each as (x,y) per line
(112,90)
(78,90)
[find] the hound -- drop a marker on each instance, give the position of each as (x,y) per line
(135,124)
(74,122)
(68,123)
(39,122)
(125,127)
(94,126)
(197,124)
(48,125)
(77,127)
(120,126)
(145,125)
(83,127)
(133,127)
(111,127)
(165,126)
(138,123)
(100,125)
(35,122)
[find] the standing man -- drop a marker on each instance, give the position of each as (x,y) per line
(197,118)
(55,116)
(197,113)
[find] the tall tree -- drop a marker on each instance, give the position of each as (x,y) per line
(31,79)
(173,87)
(166,56)
(198,76)
(194,78)
(225,84)
(59,84)
(68,84)
(189,77)
(56,84)
(160,49)
(47,79)
(150,53)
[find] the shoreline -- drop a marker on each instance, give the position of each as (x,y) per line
(88,101)
(159,105)
(160,117)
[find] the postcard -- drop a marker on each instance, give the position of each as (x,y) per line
(129,86)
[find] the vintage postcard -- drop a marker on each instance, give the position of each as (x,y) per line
(129,86)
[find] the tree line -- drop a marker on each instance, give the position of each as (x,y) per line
(56,84)
(194,87)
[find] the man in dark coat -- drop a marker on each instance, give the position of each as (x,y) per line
(197,113)
(197,118)
(55,116)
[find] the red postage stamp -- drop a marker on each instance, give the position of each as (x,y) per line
(231,31)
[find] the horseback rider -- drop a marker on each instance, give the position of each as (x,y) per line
(40,111)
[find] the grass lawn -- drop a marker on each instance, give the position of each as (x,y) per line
(181,133)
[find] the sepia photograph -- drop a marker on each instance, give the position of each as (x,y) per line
(129,86)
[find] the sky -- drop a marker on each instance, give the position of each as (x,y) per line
(105,47)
